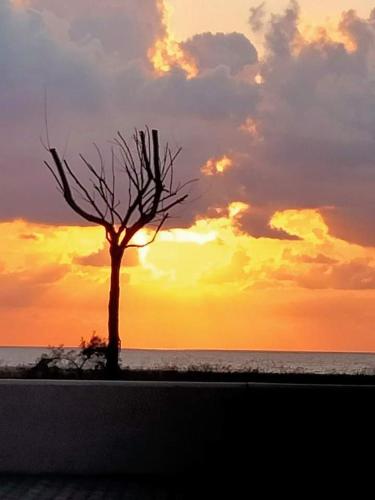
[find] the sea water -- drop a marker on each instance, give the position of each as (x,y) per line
(230,361)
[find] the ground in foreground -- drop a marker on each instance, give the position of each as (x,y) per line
(19,487)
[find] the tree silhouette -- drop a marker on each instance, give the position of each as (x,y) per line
(146,196)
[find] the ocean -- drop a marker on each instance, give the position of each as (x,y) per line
(230,361)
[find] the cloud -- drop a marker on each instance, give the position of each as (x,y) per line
(256,18)
(210,50)
(308,259)
(234,272)
(214,95)
(283,31)
(29,236)
(308,225)
(357,274)
(123,27)
(24,288)
(32,60)
(316,116)
(90,96)
(312,118)
(101,258)
(257,223)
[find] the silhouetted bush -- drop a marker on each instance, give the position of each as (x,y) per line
(91,355)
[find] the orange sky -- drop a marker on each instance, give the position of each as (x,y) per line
(210,286)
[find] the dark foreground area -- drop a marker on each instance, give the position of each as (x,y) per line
(47,487)
(175,375)
(84,488)
(94,440)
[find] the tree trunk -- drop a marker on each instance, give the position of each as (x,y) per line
(113,313)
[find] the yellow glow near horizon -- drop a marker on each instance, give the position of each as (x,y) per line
(54,285)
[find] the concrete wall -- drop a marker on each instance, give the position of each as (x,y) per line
(168,428)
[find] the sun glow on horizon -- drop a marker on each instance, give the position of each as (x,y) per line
(58,275)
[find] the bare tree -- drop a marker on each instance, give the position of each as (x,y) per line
(145,198)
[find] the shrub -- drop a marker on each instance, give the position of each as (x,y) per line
(91,355)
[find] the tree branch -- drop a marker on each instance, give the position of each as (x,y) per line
(68,193)
(154,237)
(150,187)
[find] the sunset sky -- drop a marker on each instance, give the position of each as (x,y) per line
(274,107)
